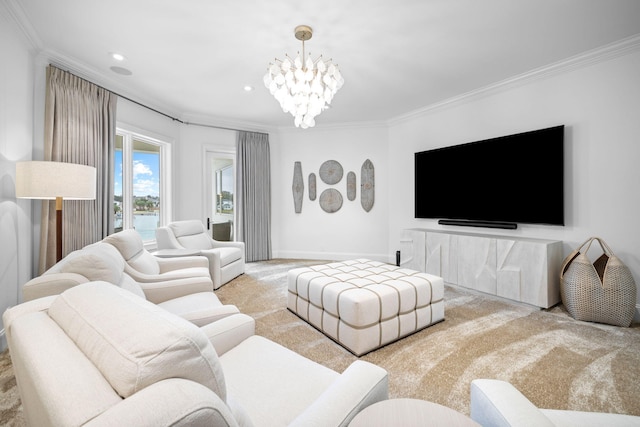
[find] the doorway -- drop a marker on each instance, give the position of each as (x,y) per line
(221,179)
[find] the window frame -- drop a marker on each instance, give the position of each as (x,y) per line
(129,134)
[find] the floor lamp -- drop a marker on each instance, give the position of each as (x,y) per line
(55,181)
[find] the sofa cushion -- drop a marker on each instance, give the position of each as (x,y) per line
(195,241)
(145,263)
(228,255)
(282,379)
(191,234)
(133,342)
(186,228)
(128,242)
(131,285)
(131,247)
(97,262)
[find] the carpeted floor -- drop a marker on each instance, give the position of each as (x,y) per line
(555,361)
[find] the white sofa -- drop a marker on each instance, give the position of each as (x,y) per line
(191,297)
(97,355)
(226,259)
(496,403)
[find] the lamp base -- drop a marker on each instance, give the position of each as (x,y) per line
(58,228)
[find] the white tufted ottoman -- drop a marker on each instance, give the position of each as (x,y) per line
(364,304)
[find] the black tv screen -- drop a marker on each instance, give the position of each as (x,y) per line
(495,182)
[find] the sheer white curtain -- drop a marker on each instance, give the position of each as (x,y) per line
(80,127)
(253,198)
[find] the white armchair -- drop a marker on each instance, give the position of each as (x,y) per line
(144,267)
(496,403)
(119,361)
(191,298)
(226,259)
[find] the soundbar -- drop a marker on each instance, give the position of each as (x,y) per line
(487,224)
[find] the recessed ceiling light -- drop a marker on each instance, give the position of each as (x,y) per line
(117,56)
(248,88)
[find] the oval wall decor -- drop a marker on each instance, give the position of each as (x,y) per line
(351,186)
(297,186)
(330,200)
(312,186)
(331,172)
(367,185)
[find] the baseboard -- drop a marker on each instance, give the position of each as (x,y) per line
(332,256)
(3,341)
(636,315)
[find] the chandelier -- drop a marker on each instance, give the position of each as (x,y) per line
(303,87)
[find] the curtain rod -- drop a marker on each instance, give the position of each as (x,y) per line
(175,119)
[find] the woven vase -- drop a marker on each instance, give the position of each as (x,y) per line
(603,291)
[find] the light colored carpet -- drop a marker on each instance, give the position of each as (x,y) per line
(555,361)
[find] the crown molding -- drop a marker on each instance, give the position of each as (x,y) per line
(79,69)
(19,17)
(224,123)
(336,126)
(594,56)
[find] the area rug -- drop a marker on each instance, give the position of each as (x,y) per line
(554,360)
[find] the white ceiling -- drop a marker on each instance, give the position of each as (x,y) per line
(191,58)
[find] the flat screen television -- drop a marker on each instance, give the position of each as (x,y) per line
(496,183)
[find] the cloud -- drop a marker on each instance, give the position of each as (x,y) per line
(147,185)
(144,187)
(140,168)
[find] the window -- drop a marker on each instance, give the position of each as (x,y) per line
(141,183)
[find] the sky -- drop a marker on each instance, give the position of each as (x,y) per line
(146,176)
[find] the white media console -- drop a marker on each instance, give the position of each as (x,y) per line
(518,268)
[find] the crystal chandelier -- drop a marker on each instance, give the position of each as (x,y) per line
(303,89)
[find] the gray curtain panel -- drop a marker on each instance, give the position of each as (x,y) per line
(80,127)
(253,188)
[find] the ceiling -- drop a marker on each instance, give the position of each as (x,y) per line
(191,59)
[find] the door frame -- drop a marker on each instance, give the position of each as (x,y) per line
(209,153)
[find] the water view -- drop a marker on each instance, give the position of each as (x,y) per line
(144,224)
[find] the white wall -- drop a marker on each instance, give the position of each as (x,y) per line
(16,140)
(313,233)
(599,105)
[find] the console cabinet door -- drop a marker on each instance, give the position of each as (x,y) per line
(441,256)
(412,249)
(527,271)
(477,263)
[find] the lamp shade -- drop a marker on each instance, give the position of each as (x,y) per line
(51,180)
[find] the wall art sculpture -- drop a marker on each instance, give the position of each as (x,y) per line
(312,186)
(331,173)
(298,186)
(367,185)
(330,200)
(351,186)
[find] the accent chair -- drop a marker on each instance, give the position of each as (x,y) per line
(226,259)
(144,267)
(191,298)
(497,403)
(97,355)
